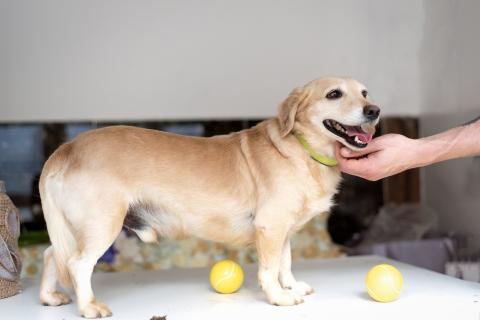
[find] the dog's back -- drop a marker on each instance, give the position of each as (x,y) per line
(125,174)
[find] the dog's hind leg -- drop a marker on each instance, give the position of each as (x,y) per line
(94,241)
(49,295)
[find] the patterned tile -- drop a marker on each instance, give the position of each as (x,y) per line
(129,253)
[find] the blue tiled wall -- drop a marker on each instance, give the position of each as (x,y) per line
(21,156)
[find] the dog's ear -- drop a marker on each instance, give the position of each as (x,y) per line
(287,111)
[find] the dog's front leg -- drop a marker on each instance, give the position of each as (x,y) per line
(269,240)
(286,277)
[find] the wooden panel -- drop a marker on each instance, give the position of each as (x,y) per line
(405,186)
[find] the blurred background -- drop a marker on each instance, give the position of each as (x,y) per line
(212,67)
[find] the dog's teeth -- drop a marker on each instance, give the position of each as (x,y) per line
(339,127)
(358,140)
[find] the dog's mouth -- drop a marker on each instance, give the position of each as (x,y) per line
(356,136)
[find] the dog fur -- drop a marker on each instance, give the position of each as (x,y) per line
(253,187)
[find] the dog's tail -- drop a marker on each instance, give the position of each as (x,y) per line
(59,230)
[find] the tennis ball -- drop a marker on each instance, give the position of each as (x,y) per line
(384,283)
(226,276)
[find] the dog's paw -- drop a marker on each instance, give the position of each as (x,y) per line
(54,298)
(285,298)
(95,310)
(301,288)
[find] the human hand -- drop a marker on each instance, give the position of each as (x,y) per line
(382,157)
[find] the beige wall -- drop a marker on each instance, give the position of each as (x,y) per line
(128,59)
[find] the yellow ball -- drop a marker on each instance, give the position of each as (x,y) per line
(226,276)
(384,283)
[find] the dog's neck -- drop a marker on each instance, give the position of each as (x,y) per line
(328,161)
(320,143)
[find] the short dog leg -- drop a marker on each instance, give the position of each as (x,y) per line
(287,280)
(269,240)
(96,241)
(81,268)
(49,295)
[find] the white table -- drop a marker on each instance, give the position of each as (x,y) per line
(339,285)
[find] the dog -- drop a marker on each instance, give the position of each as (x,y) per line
(253,187)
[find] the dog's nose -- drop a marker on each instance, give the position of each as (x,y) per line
(371,112)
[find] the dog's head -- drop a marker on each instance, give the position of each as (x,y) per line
(339,108)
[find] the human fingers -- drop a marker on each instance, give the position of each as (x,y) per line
(349,153)
(354,166)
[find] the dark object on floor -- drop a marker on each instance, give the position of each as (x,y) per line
(398,232)
(158,318)
(408,221)
(432,254)
(10,264)
(358,202)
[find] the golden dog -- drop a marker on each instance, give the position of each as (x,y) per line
(257,186)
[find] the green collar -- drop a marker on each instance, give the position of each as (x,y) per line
(325,160)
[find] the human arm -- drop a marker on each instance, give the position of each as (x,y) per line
(393,153)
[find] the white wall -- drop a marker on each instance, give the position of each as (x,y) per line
(128,59)
(451,96)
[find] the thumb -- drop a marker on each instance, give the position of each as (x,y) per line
(349,153)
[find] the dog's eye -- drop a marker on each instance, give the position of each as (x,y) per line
(364,93)
(334,94)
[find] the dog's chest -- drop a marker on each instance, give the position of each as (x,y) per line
(320,186)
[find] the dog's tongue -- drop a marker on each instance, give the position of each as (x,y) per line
(357,131)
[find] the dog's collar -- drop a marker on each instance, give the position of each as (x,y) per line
(323,159)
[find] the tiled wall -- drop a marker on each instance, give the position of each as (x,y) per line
(129,253)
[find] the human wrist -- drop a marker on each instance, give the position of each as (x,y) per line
(419,153)
(427,151)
